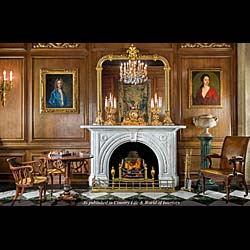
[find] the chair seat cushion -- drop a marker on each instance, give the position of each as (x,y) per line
(219,172)
(56,171)
(39,179)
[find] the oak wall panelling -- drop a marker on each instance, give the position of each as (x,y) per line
(34,132)
(204,58)
(224,113)
(58,125)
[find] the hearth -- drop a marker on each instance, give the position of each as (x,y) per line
(144,152)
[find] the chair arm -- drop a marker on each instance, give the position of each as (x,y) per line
(26,163)
(38,166)
(209,158)
(234,160)
(213,155)
(23,174)
(23,167)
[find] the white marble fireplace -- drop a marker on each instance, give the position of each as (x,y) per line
(161,140)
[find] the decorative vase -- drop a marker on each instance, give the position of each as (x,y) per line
(205,121)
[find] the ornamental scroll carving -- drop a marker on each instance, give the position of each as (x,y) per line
(55,45)
(205,45)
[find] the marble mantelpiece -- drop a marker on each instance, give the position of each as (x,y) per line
(161,139)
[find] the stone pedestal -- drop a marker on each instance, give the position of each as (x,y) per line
(205,149)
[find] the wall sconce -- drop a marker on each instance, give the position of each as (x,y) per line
(5,87)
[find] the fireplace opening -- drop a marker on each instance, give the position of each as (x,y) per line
(144,152)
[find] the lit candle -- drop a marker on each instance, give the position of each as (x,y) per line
(110,101)
(152,103)
(160,102)
(106,102)
(11,75)
(155,98)
(114,103)
(4,75)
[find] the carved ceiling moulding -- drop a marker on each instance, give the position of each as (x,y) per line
(55,45)
(205,45)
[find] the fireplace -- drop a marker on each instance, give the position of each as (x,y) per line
(162,141)
(144,152)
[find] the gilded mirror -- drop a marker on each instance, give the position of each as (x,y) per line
(132,54)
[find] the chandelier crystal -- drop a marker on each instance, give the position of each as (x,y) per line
(133,71)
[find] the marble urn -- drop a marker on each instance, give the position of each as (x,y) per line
(205,121)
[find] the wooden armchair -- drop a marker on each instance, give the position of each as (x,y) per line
(52,169)
(26,176)
(231,164)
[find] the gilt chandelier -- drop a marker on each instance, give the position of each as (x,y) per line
(133,71)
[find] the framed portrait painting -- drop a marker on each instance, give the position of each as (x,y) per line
(205,88)
(59,90)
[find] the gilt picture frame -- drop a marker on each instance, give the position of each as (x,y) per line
(59,90)
(208,97)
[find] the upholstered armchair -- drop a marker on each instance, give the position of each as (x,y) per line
(231,166)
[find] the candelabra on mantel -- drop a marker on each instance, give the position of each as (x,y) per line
(110,109)
(5,87)
(167,120)
(156,106)
(99,120)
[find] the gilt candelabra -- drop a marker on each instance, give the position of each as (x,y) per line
(110,109)
(156,116)
(156,106)
(110,115)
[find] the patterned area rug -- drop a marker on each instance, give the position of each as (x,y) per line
(85,197)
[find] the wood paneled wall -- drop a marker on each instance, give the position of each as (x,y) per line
(25,132)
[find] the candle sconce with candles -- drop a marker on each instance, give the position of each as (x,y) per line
(110,109)
(156,106)
(5,86)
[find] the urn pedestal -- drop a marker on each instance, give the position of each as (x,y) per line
(205,121)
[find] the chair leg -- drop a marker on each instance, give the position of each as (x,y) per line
(203,183)
(60,181)
(22,191)
(245,186)
(227,187)
(40,195)
(51,183)
(45,190)
(16,195)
